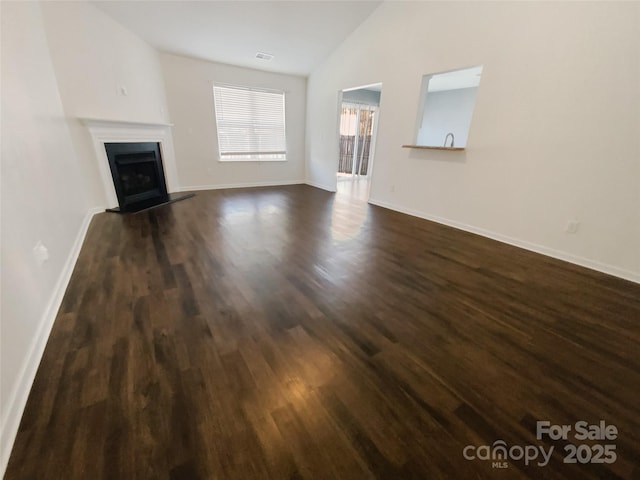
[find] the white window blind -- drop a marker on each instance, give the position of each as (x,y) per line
(250,122)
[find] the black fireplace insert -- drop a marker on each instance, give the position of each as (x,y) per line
(138,175)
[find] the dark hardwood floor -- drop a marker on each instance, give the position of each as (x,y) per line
(290,333)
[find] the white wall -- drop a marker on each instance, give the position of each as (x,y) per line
(555,130)
(39,167)
(189,84)
(60,60)
(93,56)
(447,111)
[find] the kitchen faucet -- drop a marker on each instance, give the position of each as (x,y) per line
(447,137)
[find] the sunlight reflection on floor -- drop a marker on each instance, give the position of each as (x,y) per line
(354,186)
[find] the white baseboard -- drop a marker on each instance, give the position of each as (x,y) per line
(239,185)
(18,398)
(320,186)
(549,252)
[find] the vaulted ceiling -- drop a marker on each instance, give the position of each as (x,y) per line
(299,34)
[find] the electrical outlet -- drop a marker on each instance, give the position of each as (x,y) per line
(572,226)
(40,253)
(393,188)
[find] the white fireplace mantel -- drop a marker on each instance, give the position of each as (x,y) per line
(107,131)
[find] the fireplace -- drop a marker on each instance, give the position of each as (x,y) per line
(138,175)
(136,163)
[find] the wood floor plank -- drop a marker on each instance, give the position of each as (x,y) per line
(291,333)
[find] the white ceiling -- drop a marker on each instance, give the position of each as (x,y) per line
(300,34)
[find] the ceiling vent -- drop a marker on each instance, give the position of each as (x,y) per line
(267,57)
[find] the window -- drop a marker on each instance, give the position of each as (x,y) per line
(250,123)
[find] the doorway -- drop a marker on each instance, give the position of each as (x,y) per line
(359,109)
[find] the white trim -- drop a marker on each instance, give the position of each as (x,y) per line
(240,185)
(363,87)
(248,87)
(533,247)
(105,122)
(321,186)
(104,131)
(18,397)
(372,148)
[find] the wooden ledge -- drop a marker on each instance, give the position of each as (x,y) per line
(425,147)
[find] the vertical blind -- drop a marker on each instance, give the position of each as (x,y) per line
(251,124)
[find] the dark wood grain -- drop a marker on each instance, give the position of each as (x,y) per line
(289,333)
